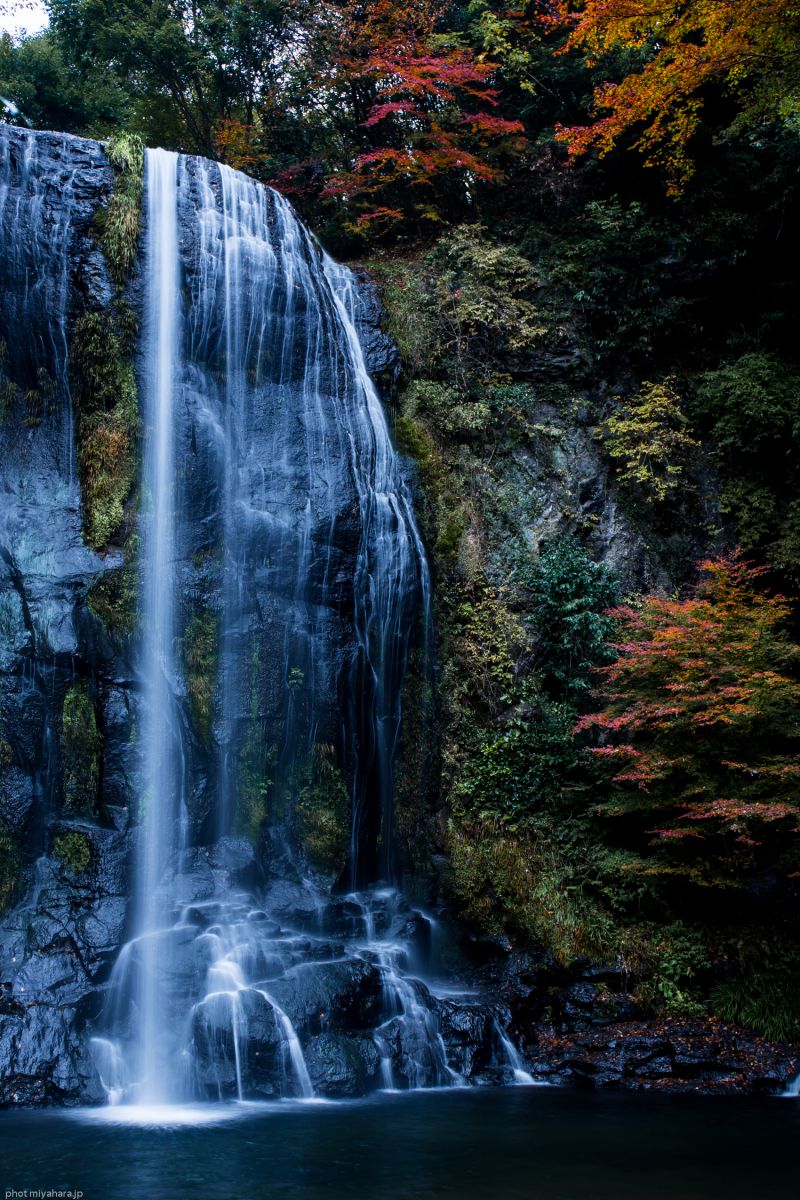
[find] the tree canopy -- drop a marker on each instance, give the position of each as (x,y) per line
(674,52)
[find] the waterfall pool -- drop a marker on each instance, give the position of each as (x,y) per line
(502,1144)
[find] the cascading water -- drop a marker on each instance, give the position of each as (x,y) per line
(36,214)
(281,556)
(163,828)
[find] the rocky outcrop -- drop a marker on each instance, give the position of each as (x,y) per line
(380,352)
(667,1055)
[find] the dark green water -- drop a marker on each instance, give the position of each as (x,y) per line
(537,1144)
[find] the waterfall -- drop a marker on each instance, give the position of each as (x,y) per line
(390,549)
(283,586)
(276,521)
(164,823)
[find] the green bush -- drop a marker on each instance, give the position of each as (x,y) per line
(570,596)
(119,223)
(450,412)
(105,396)
(201,657)
(516,886)
(648,442)
(678,961)
(114,595)
(764,1000)
(518,771)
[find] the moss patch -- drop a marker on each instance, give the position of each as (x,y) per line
(105,398)
(113,597)
(323,812)
(81,749)
(9,868)
(74,851)
(119,224)
(201,656)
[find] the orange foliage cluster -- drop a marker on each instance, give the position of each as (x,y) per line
(238,144)
(746,45)
(700,710)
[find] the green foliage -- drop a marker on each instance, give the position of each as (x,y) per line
(447,411)
(105,396)
(486,638)
(255,782)
(323,812)
(679,958)
(516,773)
(764,1000)
(81,750)
(119,223)
(410,311)
(201,657)
(9,868)
(609,268)
(37,76)
(515,885)
(74,850)
(648,441)
(114,595)
(485,293)
(570,597)
(751,408)
(295,679)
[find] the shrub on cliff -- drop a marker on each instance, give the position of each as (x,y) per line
(699,728)
(751,408)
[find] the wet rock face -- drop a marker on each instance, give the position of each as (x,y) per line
(54,955)
(56,947)
(381,353)
(668,1055)
(342,1066)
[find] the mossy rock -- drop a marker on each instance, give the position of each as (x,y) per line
(74,850)
(201,657)
(255,784)
(113,597)
(81,750)
(119,224)
(105,397)
(9,868)
(323,812)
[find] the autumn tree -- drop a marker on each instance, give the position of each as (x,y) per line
(699,726)
(680,48)
(427,111)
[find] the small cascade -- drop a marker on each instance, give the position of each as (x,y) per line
(521,1077)
(390,550)
(410,1030)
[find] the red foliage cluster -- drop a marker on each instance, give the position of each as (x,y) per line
(699,712)
(430,113)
